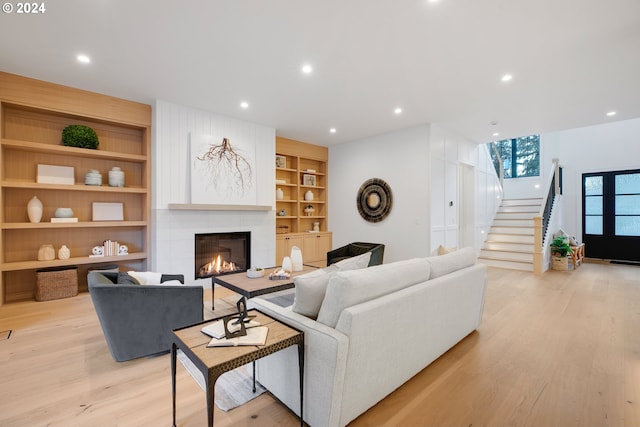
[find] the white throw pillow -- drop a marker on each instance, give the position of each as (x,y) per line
(347,288)
(354,263)
(311,287)
(146,277)
(448,263)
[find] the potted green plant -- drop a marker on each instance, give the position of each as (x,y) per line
(560,251)
(79,136)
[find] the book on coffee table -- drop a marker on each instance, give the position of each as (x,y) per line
(255,336)
(216,329)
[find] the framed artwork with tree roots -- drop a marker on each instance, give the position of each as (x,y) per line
(374,200)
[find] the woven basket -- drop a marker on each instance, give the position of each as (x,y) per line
(282,229)
(56,284)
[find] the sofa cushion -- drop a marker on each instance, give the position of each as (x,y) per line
(311,287)
(448,263)
(125,279)
(347,288)
(146,277)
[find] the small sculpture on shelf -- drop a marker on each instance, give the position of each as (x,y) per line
(64,252)
(309,210)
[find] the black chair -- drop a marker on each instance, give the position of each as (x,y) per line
(357,248)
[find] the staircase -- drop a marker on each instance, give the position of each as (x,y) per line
(509,243)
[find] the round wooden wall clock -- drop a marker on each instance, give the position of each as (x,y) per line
(374,200)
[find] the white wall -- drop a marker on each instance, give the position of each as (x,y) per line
(607,147)
(421,165)
(449,152)
(173,230)
(402,160)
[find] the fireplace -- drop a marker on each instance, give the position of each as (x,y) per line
(222,253)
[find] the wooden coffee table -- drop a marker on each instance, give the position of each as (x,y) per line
(249,288)
(214,361)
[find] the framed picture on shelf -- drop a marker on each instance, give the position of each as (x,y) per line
(308,179)
(281,161)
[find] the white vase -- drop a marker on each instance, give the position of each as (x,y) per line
(296,258)
(116,177)
(34,209)
(279,194)
(308,196)
(286,264)
(64,252)
(46,253)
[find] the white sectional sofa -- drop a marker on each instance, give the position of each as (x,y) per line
(376,328)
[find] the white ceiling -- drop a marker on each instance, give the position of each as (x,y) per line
(571,60)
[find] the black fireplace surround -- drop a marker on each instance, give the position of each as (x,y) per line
(217,254)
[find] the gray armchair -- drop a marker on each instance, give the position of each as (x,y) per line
(357,248)
(137,320)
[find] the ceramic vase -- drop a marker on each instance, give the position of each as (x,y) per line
(296,258)
(34,209)
(64,252)
(279,194)
(308,196)
(286,264)
(116,177)
(316,226)
(63,213)
(46,253)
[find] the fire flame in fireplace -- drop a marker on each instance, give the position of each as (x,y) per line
(217,266)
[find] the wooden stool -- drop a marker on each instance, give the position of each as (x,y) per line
(577,255)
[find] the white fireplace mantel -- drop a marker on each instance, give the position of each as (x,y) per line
(208,207)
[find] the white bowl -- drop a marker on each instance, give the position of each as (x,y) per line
(255,274)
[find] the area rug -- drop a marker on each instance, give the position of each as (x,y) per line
(233,388)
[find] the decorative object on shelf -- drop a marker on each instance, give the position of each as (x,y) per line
(282,212)
(64,252)
(105,211)
(296,258)
(46,253)
(374,200)
(80,136)
(309,210)
(316,227)
(123,250)
(93,177)
(308,196)
(308,179)
(52,174)
(255,273)
(282,229)
(116,177)
(279,194)
(63,213)
(97,251)
(281,161)
(287,265)
(34,209)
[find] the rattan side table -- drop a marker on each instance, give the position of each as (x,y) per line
(214,361)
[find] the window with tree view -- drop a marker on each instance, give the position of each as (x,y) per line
(520,156)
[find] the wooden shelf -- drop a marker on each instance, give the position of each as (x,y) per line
(36,265)
(71,151)
(80,224)
(75,187)
(33,115)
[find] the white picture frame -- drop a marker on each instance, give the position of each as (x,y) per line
(309,180)
(50,174)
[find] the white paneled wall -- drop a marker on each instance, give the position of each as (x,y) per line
(449,153)
(173,230)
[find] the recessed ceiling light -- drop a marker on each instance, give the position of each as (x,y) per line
(84,59)
(496,134)
(333,130)
(507,78)
(307,69)
(244,105)
(611,113)
(397,110)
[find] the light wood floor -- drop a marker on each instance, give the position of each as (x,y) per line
(558,350)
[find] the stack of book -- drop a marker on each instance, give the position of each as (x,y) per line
(111,248)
